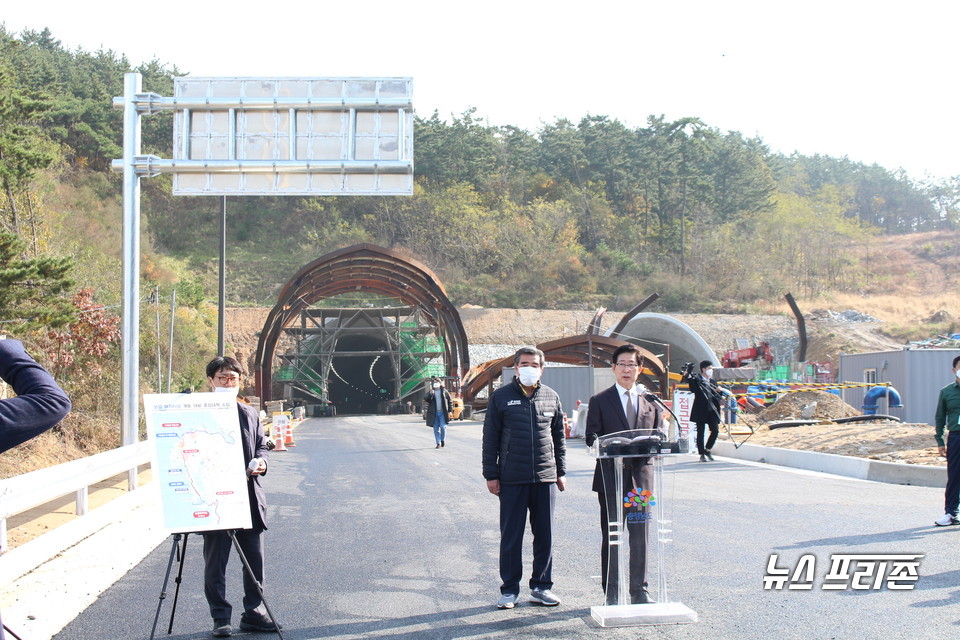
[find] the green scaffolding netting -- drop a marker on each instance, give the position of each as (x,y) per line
(416,364)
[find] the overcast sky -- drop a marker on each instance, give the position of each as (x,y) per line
(874,81)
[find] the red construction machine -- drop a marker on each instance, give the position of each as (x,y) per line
(743,355)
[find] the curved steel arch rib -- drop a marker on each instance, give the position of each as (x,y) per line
(586,349)
(362,267)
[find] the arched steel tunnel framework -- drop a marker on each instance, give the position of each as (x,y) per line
(586,349)
(362,267)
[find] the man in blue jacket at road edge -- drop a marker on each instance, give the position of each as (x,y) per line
(524,462)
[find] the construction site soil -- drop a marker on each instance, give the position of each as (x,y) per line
(827,337)
(885,440)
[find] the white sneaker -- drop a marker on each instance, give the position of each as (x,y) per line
(947,520)
(507,600)
(544,597)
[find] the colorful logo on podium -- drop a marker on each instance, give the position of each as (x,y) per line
(639,498)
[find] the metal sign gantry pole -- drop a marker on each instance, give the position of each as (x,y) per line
(382,165)
(130,341)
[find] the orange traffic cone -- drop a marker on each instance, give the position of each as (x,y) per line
(278,445)
(288,429)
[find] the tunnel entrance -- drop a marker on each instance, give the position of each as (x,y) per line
(360,382)
(404,312)
(360,360)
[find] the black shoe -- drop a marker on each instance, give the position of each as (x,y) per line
(256,621)
(703,458)
(443,443)
(641,598)
(221,628)
(709,456)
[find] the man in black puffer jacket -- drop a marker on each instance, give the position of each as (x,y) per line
(524,462)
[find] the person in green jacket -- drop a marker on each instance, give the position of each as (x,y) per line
(948,415)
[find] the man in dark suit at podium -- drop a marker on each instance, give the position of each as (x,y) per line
(623,407)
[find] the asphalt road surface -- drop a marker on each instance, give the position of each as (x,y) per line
(374,533)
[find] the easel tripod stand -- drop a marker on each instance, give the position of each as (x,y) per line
(178,549)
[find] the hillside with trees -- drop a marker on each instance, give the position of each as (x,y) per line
(576,214)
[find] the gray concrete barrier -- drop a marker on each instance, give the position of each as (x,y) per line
(862,468)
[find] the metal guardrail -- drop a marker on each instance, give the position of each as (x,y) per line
(38,487)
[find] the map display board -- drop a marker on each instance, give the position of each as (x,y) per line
(198,461)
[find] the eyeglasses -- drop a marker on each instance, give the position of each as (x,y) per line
(227,378)
(627,365)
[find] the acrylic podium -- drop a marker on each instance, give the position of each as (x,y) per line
(639,531)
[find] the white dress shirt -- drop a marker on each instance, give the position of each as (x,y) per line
(634,392)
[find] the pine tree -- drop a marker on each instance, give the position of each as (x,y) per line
(32,290)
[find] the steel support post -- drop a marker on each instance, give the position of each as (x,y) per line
(223,276)
(130,341)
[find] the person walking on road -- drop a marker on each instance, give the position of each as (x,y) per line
(707,399)
(439,410)
(524,463)
(224,375)
(948,417)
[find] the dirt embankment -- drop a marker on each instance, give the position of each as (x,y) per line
(826,338)
(889,441)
